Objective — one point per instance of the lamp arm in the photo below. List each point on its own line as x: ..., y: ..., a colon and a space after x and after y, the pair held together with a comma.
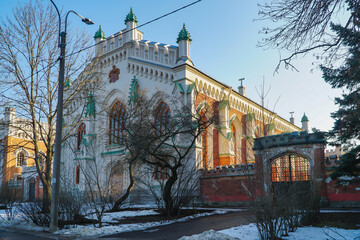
x: 71, y: 11
x: 57, y: 10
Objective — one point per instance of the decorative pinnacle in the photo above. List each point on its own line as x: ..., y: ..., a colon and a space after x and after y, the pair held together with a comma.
x: 183, y: 35
x: 131, y: 17
x: 304, y: 118
x: 99, y: 34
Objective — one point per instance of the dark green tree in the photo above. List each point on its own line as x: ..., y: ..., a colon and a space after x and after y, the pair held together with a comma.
x: 346, y: 128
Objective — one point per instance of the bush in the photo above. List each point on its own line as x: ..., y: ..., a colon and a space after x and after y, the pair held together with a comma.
x: 69, y: 211
x: 33, y: 212
x: 282, y: 211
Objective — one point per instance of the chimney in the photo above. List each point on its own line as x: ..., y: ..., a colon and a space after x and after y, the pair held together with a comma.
x: 292, y: 119
x: 241, y: 87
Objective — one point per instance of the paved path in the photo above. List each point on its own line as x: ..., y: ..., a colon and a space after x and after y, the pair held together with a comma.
x: 193, y: 226
x: 4, y: 235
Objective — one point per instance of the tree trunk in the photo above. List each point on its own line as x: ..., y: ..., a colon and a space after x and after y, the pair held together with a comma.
x: 128, y: 190
x: 169, y: 201
x: 46, y: 197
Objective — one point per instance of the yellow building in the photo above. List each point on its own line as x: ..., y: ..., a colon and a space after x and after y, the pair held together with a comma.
x: 19, y: 178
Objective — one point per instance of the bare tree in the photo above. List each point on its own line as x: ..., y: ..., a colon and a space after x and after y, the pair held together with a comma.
x: 165, y: 140
x: 29, y: 73
x: 301, y: 26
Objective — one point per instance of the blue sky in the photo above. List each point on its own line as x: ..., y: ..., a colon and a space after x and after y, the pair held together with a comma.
x: 224, y: 36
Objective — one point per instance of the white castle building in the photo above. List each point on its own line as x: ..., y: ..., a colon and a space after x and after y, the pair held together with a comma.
x: 127, y: 61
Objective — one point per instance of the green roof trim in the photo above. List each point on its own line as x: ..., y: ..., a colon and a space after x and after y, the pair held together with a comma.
x: 131, y: 17
x: 134, y: 91
x: 223, y: 104
x: 99, y: 34
x: 90, y: 109
x: 190, y: 88
x: 179, y: 86
x: 183, y: 35
x: 304, y: 118
x: 250, y: 117
x: 270, y: 126
x: 113, y: 152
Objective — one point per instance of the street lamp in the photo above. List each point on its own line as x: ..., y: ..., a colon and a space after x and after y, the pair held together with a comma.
x: 55, y: 181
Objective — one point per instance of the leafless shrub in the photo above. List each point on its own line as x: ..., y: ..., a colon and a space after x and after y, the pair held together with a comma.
x: 7, y: 201
x: 69, y: 211
x: 33, y: 212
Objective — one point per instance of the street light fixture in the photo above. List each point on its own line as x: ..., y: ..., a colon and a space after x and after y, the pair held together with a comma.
x: 55, y: 181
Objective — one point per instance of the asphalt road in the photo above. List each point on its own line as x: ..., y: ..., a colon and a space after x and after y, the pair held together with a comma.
x: 4, y: 235
x: 194, y: 226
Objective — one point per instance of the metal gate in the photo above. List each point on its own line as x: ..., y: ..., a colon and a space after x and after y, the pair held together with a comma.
x: 290, y: 175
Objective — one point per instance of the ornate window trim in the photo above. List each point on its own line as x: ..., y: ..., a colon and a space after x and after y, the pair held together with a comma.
x: 80, y: 134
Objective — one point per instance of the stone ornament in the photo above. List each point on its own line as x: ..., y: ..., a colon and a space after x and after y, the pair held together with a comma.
x: 114, y: 74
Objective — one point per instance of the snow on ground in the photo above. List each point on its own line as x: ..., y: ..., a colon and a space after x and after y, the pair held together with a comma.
x: 249, y: 232
x: 209, y: 235
x: 89, y: 230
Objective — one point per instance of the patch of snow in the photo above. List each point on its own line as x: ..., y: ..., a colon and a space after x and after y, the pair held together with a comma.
x: 209, y: 235
x: 305, y: 233
x: 328, y: 180
x: 114, y: 216
x: 340, y: 210
x: 249, y: 232
x: 243, y: 232
x: 346, y: 178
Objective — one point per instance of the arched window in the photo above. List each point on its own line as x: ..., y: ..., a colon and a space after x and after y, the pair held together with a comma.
x: 290, y: 168
x: 162, y: 118
x: 204, y: 139
x: 20, y: 158
x: 77, y: 174
x: 80, y: 134
x: 116, y: 123
x: 234, y: 143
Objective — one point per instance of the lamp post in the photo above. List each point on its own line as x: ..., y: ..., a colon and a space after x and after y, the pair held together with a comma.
x: 55, y: 181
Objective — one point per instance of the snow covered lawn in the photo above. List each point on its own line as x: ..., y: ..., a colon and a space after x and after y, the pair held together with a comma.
x: 249, y: 232
x: 109, y: 226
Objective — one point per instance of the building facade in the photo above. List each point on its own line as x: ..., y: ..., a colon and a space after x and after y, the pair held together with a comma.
x: 19, y: 178
x: 128, y: 63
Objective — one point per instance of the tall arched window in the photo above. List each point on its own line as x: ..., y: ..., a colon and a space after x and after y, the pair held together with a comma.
x: 204, y: 139
x: 233, y: 130
x: 77, y: 174
x: 162, y: 118
x: 80, y: 134
x: 116, y: 123
x: 20, y: 158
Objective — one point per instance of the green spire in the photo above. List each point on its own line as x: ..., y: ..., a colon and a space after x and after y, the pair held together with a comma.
x: 67, y: 82
x: 99, y: 34
x: 90, y: 106
x: 304, y: 118
x: 131, y: 17
x: 183, y: 35
x: 134, y: 91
